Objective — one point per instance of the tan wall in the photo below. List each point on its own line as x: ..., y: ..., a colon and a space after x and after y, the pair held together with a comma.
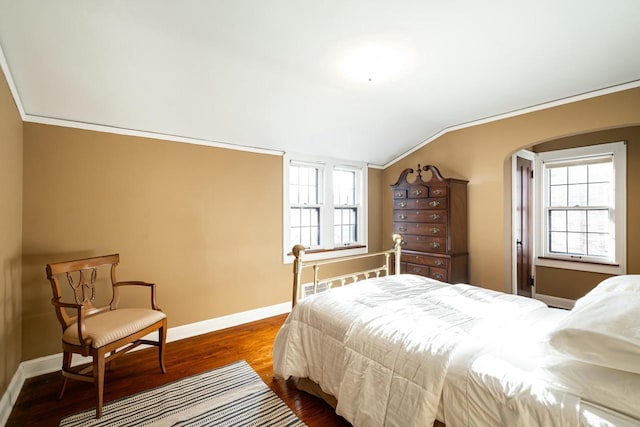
x: 204, y: 223
x: 11, y: 235
x: 481, y: 154
x: 573, y: 284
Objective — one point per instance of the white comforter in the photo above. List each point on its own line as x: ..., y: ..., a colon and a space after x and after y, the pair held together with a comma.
x: 382, y: 347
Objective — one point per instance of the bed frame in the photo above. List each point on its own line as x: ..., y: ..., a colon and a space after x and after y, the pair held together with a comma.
x: 384, y: 270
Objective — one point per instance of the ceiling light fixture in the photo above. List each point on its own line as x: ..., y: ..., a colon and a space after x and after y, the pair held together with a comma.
x: 372, y: 63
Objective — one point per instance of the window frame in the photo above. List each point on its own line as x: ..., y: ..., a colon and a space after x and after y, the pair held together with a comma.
x: 544, y: 257
x: 327, y: 248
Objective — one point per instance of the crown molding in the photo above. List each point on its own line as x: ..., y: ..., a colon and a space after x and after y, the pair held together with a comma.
x: 146, y: 134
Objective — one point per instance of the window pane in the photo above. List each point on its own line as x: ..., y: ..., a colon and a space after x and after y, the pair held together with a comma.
x: 337, y: 235
x: 304, y: 226
x: 599, y: 194
x: 558, y: 220
x: 344, y: 187
x: 294, y: 173
x: 558, y: 242
x: 295, y: 237
x: 577, y: 220
x: 294, y: 196
x: 598, y: 244
x: 557, y: 176
x: 346, y: 235
x: 598, y: 221
x: 577, y: 243
x: 577, y: 174
x: 577, y: 195
x: 313, y: 185
x: 295, y: 217
x: 558, y: 195
x: 304, y: 176
x: 600, y: 172
x: 345, y: 226
x: 304, y: 185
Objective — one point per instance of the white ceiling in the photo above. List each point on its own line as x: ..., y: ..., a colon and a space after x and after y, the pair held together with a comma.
x: 270, y: 73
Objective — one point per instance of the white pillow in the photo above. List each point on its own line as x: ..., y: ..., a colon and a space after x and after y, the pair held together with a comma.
x: 602, y: 329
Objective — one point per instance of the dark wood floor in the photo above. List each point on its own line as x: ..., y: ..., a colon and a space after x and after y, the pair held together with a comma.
x: 37, y: 404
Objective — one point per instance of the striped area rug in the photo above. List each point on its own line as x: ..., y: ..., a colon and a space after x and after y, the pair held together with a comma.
x: 233, y: 395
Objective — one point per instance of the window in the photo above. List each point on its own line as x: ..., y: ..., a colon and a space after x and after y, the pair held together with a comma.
x: 324, y: 206
x: 582, y: 200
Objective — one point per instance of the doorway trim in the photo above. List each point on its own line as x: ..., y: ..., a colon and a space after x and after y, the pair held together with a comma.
x: 529, y: 155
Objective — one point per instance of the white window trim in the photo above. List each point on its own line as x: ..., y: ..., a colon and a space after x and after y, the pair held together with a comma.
x: 327, y: 214
x: 619, y: 151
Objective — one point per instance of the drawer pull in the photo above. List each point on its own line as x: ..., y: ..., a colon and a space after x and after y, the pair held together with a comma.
x: 439, y: 263
x: 403, y: 204
x: 402, y: 229
x: 434, y: 203
x: 416, y: 270
x: 437, y: 192
x: 435, y: 217
x: 399, y: 194
x: 417, y: 192
x: 402, y: 216
x: 437, y: 276
x: 435, y: 230
x: 434, y: 245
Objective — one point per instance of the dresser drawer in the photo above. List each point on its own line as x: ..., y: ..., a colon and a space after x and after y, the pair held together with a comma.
x: 425, y: 244
x: 420, y: 215
x: 420, y: 228
x: 438, y: 274
x: 418, y: 192
x: 430, y: 203
x: 421, y: 270
x: 400, y: 193
x: 427, y: 203
x: 431, y: 261
x: 438, y: 191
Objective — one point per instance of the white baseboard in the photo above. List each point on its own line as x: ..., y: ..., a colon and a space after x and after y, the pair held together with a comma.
x: 11, y: 395
x: 52, y: 363
x: 556, y: 301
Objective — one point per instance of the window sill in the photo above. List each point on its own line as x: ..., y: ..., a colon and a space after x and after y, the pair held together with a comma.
x: 589, y: 266
x: 318, y: 254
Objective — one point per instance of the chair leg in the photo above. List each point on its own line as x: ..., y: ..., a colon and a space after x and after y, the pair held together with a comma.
x: 66, y: 364
x: 111, y: 365
x: 162, y: 339
x: 98, y: 379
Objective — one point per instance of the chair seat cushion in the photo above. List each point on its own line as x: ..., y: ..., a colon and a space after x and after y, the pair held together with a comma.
x: 107, y: 327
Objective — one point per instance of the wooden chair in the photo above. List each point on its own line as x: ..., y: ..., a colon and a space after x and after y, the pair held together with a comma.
x: 104, y: 333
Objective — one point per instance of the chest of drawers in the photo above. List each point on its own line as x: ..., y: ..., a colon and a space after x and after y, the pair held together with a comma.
x: 431, y: 216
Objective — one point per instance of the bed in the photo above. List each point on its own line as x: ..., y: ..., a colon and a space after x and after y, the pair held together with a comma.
x: 405, y: 350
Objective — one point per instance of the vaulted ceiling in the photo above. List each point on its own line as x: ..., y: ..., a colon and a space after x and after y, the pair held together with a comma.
x: 364, y: 80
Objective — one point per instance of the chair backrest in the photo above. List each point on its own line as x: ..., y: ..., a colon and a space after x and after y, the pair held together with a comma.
x: 81, y: 275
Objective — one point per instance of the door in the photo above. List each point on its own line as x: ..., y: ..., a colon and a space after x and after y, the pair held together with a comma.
x: 522, y: 226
